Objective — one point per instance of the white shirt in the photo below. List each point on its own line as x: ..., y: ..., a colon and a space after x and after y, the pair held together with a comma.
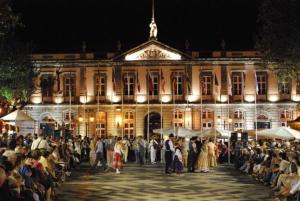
x: 39, y: 143
x: 172, y: 148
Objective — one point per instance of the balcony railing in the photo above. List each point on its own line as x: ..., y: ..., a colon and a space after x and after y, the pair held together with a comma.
x: 169, y: 98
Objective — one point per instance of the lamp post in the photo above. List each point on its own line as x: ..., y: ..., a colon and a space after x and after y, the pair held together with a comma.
x: 229, y: 133
x: 80, y: 120
x: 91, y: 120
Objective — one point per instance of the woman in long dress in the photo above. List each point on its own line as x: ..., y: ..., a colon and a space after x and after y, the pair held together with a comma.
x: 212, y: 160
x: 203, y: 158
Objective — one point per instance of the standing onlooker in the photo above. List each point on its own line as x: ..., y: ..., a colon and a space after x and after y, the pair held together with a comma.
x: 100, y: 154
x: 141, y: 150
x: 40, y: 142
x: 153, y: 146
x: 169, y: 146
x: 192, y: 155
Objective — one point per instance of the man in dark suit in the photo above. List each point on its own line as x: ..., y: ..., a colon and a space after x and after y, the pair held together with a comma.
x: 192, y: 155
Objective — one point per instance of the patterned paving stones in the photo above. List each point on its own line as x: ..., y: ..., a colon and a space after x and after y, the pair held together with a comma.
x: 149, y: 183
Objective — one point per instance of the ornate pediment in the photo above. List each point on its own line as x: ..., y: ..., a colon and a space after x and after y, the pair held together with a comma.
x: 152, y: 52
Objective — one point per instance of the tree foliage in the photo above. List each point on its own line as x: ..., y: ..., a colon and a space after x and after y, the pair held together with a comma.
x: 279, y: 37
x: 16, y: 69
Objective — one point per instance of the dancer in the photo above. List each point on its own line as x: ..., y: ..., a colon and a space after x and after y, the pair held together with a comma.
x: 202, y: 159
x: 212, y: 160
x: 178, y: 160
x: 117, y: 164
x: 169, y: 146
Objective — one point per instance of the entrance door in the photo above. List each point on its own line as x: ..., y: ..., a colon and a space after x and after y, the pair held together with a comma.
x: 154, y: 123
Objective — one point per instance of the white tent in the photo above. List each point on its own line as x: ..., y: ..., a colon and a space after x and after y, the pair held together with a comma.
x: 279, y: 132
x: 180, y: 132
x: 22, y: 120
x: 212, y: 132
x: 17, y: 115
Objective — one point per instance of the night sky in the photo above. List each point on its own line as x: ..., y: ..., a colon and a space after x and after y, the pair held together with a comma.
x: 62, y: 25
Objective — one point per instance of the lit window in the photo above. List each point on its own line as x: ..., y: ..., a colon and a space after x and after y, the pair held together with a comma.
x: 100, y: 85
x: 286, y: 116
x: 129, y: 124
x: 178, y: 119
x: 67, y: 116
x: 238, y: 114
x: 206, y: 84
x: 155, y: 81
x: 285, y: 87
x: 178, y: 84
x: 262, y: 83
x: 237, y: 82
x: 69, y: 85
x: 100, y: 124
x: 129, y: 85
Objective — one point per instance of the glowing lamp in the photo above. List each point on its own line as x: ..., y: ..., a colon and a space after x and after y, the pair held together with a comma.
x: 140, y: 98
x: 249, y: 98
x: 92, y: 119
x: 165, y: 98
x: 36, y: 99
x: 273, y: 98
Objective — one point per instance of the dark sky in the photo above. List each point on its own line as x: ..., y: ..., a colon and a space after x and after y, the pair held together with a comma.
x: 62, y: 25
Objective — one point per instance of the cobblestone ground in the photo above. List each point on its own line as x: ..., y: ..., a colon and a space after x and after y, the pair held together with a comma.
x: 149, y: 183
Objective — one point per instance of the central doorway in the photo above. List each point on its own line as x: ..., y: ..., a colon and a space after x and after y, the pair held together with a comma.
x: 154, y: 123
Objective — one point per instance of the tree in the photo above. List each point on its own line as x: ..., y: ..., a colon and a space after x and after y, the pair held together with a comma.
x: 16, y: 69
x: 279, y: 37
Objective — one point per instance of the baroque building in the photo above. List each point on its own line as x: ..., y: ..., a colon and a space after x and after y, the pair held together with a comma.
x: 156, y: 86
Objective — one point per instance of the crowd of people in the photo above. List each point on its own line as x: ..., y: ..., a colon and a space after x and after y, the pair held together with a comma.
x: 274, y: 163
x: 32, y: 167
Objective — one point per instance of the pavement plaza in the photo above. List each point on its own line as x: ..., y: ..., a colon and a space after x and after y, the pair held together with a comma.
x: 149, y: 183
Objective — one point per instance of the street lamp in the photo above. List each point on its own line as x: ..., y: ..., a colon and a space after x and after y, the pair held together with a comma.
x: 80, y: 120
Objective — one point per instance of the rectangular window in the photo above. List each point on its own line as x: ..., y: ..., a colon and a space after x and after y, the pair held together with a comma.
x: 178, y: 119
x: 67, y: 116
x: 206, y: 84
x: 207, y: 125
x: 128, y: 129
x: 129, y: 85
x: 47, y: 85
x: 262, y: 83
x: 100, y: 85
x: 237, y: 83
x: 70, y: 85
x: 298, y: 88
x: 178, y: 88
x: 155, y: 80
x: 285, y: 87
x: 100, y: 129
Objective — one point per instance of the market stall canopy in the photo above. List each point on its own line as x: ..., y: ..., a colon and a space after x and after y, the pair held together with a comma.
x: 180, y: 132
x: 212, y: 132
x: 17, y: 115
x: 280, y: 132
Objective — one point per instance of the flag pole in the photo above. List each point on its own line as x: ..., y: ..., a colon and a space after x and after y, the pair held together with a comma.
x: 148, y: 116
x: 98, y: 100
x: 256, y: 92
x: 70, y: 102
x: 122, y: 93
x: 161, y: 110
x: 173, y: 83
x: 201, y: 106
x: 228, y: 116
